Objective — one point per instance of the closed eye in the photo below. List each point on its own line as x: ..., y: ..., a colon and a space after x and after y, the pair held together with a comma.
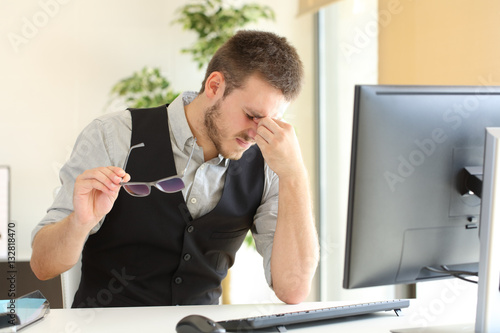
x: 251, y: 116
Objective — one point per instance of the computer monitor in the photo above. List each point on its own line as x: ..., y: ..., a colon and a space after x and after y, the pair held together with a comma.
x: 409, y: 208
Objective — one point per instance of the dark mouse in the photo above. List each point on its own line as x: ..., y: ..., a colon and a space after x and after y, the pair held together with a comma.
x: 198, y: 324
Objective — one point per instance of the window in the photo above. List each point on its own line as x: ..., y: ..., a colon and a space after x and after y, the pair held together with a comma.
x: 347, y: 55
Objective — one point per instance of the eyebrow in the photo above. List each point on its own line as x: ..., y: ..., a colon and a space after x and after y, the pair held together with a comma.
x: 253, y: 113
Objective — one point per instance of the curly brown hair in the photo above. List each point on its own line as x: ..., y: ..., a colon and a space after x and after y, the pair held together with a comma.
x: 266, y: 54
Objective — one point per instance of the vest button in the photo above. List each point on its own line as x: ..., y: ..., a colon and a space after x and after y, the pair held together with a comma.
x: 187, y: 257
x: 190, y: 228
x: 178, y: 280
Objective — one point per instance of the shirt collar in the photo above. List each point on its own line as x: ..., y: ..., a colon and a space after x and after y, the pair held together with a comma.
x: 177, y: 119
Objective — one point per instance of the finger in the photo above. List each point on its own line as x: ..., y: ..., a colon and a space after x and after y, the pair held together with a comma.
x: 267, y: 129
x: 99, y: 186
x: 264, y: 133
x: 274, y: 123
x: 260, y: 141
x: 273, y: 133
x: 279, y: 128
x: 281, y: 123
x: 84, y: 186
x: 119, y: 172
x: 262, y: 144
x: 87, y: 186
x: 105, y: 176
x: 269, y: 123
x: 126, y: 178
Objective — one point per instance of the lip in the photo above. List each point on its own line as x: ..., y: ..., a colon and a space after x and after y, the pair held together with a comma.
x: 243, y: 143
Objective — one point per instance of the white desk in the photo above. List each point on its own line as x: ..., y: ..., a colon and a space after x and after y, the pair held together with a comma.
x: 164, y: 319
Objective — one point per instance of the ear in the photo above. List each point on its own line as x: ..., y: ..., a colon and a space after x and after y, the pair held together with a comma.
x: 215, y: 85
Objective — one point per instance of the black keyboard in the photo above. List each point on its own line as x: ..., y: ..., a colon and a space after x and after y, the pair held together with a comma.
x: 306, y: 316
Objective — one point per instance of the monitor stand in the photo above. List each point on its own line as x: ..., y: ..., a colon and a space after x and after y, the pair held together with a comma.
x: 488, y: 301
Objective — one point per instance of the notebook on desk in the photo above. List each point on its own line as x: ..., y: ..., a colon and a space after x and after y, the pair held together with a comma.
x: 281, y: 320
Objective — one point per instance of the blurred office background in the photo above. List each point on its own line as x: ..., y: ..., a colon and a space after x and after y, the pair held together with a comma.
x: 60, y: 58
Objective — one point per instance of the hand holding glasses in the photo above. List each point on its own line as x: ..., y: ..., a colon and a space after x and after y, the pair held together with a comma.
x: 168, y: 185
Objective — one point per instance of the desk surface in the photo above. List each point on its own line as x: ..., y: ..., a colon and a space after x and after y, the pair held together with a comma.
x: 164, y: 319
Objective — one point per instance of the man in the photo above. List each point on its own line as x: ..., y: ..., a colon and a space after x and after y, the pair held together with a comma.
x: 156, y: 248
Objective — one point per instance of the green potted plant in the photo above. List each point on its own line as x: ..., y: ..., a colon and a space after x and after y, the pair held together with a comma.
x: 144, y: 88
x: 214, y: 21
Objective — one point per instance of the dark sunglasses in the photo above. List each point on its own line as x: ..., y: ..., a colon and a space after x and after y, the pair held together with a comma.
x: 168, y: 185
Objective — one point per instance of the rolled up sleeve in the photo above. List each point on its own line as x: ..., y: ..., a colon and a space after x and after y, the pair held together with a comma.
x: 94, y: 147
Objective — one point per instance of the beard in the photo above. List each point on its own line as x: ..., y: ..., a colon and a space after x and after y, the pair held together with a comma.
x: 216, y: 134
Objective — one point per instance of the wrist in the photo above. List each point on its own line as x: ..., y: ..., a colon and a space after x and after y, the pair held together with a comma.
x: 295, y: 176
x: 78, y: 227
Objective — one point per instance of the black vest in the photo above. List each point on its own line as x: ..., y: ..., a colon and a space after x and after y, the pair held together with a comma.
x: 150, y: 251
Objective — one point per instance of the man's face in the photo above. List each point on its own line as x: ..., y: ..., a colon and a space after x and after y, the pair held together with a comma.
x: 231, y: 123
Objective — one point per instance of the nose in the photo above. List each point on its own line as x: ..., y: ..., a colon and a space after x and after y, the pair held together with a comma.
x: 252, y: 132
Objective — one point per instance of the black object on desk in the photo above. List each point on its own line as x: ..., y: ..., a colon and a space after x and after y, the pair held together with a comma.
x: 198, y: 324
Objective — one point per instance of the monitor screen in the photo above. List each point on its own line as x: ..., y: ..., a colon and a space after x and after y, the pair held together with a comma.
x: 409, y: 209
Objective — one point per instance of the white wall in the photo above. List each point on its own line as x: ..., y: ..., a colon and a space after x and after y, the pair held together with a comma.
x: 58, y: 61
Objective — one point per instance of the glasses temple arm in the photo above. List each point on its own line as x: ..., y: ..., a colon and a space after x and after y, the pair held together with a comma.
x: 129, y: 151
x: 189, y: 159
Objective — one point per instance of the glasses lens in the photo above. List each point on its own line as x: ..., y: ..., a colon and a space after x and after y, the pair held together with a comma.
x: 170, y: 185
x: 137, y: 189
